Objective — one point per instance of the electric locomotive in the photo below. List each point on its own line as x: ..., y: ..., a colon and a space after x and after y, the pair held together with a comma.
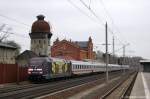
x: 48, y: 68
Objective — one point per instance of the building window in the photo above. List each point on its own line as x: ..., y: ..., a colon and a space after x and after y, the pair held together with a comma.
x: 39, y: 41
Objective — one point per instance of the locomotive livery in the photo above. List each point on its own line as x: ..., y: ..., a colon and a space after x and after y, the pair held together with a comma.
x: 48, y: 68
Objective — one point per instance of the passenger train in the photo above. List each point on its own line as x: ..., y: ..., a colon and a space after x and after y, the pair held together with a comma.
x: 48, y: 68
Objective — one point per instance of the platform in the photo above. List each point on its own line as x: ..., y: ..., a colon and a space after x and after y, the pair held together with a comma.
x: 141, y: 88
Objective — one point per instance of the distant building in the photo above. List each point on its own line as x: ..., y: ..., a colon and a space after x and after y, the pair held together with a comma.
x: 145, y: 65
x: 77, y: 50
x: 23, y: 59
x: 7, y: 53
x: 40, y: 37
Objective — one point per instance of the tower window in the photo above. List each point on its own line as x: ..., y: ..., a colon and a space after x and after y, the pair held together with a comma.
x: 39, y: 41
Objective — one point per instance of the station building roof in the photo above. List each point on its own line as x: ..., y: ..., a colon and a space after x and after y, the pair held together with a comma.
x: 4, y: 45
x: 145, y: 61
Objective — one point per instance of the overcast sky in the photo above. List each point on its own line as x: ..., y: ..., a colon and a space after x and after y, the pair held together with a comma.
x: 128, y: 19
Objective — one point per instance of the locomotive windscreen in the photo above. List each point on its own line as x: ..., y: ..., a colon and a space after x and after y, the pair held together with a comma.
x: 36, y: 61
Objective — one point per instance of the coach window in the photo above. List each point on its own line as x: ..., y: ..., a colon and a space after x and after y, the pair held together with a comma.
x: 72, y: 66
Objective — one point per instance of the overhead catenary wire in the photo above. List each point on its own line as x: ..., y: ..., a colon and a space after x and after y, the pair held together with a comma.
x: 12, y: 19
x: 17, y: 21
x: 106, y: 11
x: 104, y: 24
x: 100, y: 19
x: 84, y: 13
x: 13, y: 25
x: 89, y: 8
x: 112, y: 21
x: 17, y: 34
x: 101, y: 22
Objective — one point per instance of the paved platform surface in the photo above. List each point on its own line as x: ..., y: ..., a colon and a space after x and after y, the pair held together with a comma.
x: 141, y: 88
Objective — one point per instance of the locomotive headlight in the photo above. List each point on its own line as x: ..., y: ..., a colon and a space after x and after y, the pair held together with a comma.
x: 39, y: 69
x: 29, y: 72
x: 30, y: 69
x: 41, y: 72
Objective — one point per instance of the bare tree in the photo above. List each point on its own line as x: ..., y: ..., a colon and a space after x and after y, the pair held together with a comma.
x: 4, y: 33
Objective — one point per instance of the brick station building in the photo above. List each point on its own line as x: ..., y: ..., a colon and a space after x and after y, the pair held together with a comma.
x: 77, y: 50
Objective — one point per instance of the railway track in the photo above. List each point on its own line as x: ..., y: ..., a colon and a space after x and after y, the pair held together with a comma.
x: 122, y: 89
x: 40, y: 90
x: 30, y: 85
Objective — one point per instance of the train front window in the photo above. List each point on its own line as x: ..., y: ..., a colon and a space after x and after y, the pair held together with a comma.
x: 36, y: 62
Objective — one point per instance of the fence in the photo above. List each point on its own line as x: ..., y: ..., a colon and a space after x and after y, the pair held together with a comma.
x: 12, y: 73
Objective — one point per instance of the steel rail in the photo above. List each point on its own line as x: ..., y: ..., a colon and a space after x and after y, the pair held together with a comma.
x: 115, y: 87
x: 50, y: 88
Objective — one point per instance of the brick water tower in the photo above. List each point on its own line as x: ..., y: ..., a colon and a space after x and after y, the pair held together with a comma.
x: 40, y: 36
